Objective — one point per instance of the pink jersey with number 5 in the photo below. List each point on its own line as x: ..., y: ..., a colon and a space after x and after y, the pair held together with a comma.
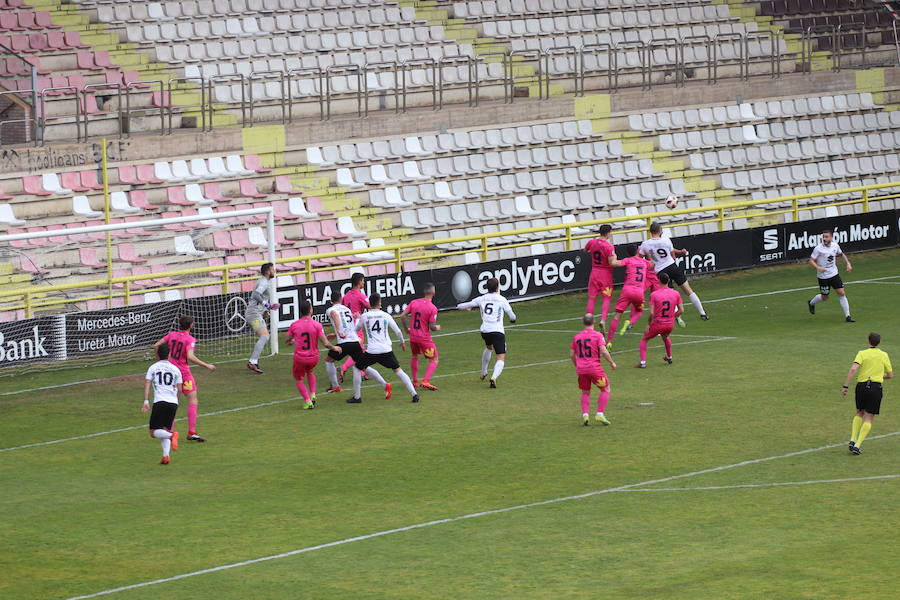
x: 305, y: 333
x: 664, y: 302
x: 635, y: 273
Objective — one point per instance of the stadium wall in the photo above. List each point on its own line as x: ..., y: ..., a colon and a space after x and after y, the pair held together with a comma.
x: 83, y: 335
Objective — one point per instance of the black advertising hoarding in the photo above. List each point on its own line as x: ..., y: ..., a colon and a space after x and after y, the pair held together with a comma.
x: 795, y: 241
x: 31, y: 341
x: 716, y: 252
x: 115, y: 330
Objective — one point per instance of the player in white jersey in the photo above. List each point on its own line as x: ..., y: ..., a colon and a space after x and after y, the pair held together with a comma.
x: 662, y: 254
x: 492, y: 306
x: 379, y: 348
x: 256, y: 307
x: 824, y: 260
x: 344, y: 325
x: 165, y: 379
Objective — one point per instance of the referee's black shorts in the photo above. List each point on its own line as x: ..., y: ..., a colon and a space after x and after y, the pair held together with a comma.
x: 675, y: 273
x: 868, y: 396
x: 162, y: 415
x: 351, y: 349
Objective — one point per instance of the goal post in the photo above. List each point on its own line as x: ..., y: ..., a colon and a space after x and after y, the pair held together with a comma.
x: 78, y: 318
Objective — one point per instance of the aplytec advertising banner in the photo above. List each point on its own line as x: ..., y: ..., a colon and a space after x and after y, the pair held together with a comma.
x: 793, y: 241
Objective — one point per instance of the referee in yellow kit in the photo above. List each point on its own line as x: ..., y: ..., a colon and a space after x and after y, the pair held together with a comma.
x: 871, y: 367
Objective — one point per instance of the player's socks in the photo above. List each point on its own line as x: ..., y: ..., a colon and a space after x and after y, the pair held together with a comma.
x: 695, y: 300
x: 332, y: 374
x: 347, y: 364
x: 375, y: 375
x: 162, y: 434
x: 667, y: 342
x: 864, y: 430
x: 357, y: 383
x: 485, y: 361
x: 414, y: 367
x: 258, y: 348
x: 845, y: 304
x: 498, y: 368
x: 614, y: 325
x: 635, y: 316
x: 407, y: 382
x: 192, y: 418
x: 311, y: 378
x: 604, y: 310
x: 816, y: 299
x: 585, y: 403
x: 429, y: 371
x: 643, y: 350
x: 591, y: 304
x: 854, y: 432
x: 304, y: 393
x: 602, y: 401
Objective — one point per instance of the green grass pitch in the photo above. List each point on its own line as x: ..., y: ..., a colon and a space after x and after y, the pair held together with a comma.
x: 760, y: 380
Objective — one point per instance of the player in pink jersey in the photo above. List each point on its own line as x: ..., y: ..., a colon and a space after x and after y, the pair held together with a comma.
x: 603, y: 260
x: 632, y: 294
x: 181, y: 354
x: 355, y: 299
x: 305, y: 334
x: 419, y: 320
x: 586, y: 349
x: 652, y: 281
x: 665, y: 306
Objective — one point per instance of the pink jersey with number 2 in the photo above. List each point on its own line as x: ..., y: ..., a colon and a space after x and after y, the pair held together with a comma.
x: 664, y: 302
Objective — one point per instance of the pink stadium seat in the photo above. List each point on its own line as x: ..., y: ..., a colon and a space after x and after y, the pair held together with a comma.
x: 161, y: 99
x: 217, y: 261
x: 329, y: 228
x: 127, y: 253
x: 89, y: 257
x: 133, y: 79
x: 280, y: 240
x: 314, y: 205
x: 43, y: 20
x: 22, y: 244
x: 251, y: 161
x: 312, y: 230
x: 137, y: 230
x: 174, y: 226
x: 29, y: 263
x: 235, y: 260
x: 85, y: 60
x: 175, y: 195
x: 128, y: 175
x: 240, y: 239
x: 90, y: 180
x: 101, y: 59
x: 349, y: 258
x: 26, y: 20
x: 73, y: 40
x: 37, y: 242
x: 162, y: 268
x: 222, y: 241
x: 145, y: 174
x: 38, y: 42
x: 10, y: 22
x: 283, y: 185
x: 72, y: 181
x: 57, y: 239
x: 90, y: 237
x: 248, y: 189
x: 138, y: 199
x: 32, y: 185
x: 211, y: 191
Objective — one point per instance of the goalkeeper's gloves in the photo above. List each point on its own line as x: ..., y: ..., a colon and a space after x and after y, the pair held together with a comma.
x: 272, y: 306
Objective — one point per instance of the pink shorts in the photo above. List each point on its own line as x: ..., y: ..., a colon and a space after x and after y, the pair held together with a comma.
x: 601, y: 282
x: 630, y: 297
x: 188, y: 383
x: 586, y: 380
x: 655, y: 329
x: 303, y: 366
x: 426, y: 349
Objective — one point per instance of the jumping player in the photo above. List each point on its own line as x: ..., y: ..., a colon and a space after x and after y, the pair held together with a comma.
x: 632, y: 294
x: 665, y: 305
x: 587, y: 348
x: 181, y: 354
x: 258, y: 303
x: 660, y: 251
x: 345, y: 333
x: 355, y: 299
x: 305, y: 334
x: 492, y: 306
x: 375, y: 322
x: 419, y: 320
x: 165, y: 379
x: 603, y: 260
x: 824, y: 260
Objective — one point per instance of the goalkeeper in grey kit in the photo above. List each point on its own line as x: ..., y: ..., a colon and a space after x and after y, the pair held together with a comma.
x: 256, y: 306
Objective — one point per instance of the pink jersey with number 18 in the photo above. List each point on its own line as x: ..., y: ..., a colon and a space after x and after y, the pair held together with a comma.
x: 179, y: 343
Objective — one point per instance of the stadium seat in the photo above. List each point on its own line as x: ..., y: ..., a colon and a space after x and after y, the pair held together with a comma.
x: 7, y: 216
x: 82, y: 207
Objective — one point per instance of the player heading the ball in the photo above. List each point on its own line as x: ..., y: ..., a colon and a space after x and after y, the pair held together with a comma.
x: 492, y: 306
x: 588, y: 346
x: 660, y: 251
x: 824, y: 260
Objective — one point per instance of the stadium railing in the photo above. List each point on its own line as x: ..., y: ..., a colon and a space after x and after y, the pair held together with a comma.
x: 40, y: 297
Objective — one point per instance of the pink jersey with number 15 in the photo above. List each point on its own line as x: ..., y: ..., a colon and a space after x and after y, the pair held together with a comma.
x: 587, y: 344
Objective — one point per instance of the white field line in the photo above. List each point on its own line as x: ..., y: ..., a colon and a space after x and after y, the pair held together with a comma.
x: 475, y: 515
x: 728, y: 299
x: 885, y: 282
x: 763, y: 485
x: 275, y: 402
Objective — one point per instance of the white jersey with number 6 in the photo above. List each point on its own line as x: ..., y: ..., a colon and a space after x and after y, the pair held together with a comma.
x: 165, y: 378
x: 345, y: 330
x: 658, y: 250
x: 376, y: 323
x: 492, y: 307
x: 826, y: 256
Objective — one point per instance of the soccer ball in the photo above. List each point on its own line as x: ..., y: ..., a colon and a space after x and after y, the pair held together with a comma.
x: 671, y: 201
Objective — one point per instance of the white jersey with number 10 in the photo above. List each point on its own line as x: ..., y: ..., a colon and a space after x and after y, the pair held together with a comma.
x: 165, y: 378
x: 492, y: 307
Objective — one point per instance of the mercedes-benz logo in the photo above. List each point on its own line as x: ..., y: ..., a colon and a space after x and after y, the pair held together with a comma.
x: 234, y: 314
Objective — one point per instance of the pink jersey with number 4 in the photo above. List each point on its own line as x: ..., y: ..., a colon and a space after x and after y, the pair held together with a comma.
x: 422, y: 313
x: 179, y: 343
x: 635, y: 273
x: 587, y: 344
x: 305, y: 332
x: 664, y: 302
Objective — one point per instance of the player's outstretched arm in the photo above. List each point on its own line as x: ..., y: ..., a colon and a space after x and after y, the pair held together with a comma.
x: 159, y: 343
x: 146, y: 406
x: 404, y: 319
x: 467, y: 305
x: 572, y: 356
x: 679, y: 252
x: 850, y: 375
x: 323, y: 339
x: 509, y: 311
x: 393, y: 327
x: 679, y: 310
x: 847, y: 263
x: 193, y: 358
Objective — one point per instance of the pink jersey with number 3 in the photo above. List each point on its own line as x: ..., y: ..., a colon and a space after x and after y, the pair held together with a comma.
x: 305, y: 332
x: 587, y: 344
x: 179, y: 343
x: 664, y: 302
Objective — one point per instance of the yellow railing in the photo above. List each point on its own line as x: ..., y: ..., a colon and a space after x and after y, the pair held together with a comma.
x: 32, y: 298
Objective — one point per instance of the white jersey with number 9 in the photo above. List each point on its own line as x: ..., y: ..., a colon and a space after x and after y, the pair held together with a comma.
x: 658, y: 250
